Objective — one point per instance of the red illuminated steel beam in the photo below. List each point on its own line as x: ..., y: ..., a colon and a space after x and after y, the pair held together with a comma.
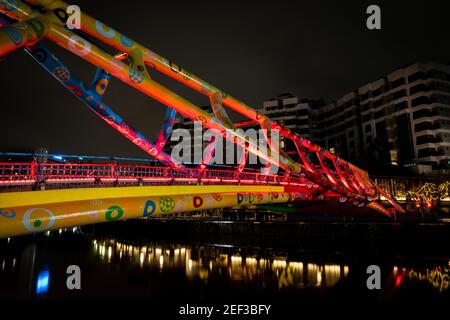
x: 136, y: 75
x: 112, y: 37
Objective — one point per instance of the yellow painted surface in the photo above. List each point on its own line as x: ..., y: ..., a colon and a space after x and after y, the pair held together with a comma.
x: 39, y: 211
x: 15, y: 199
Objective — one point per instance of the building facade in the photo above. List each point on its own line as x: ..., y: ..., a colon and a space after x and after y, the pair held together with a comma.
x: 295, y: 114
x: 402, y: 119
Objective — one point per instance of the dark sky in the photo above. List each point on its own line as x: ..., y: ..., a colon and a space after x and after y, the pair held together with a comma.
x: 254, y: 50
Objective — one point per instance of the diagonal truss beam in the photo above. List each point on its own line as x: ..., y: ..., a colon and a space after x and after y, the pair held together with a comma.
x: 340, y: 177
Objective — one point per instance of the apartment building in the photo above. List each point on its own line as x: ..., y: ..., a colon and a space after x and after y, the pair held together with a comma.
x: 402, y: 119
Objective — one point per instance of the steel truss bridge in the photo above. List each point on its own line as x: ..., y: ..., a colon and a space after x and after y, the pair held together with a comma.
x: 172, y: 187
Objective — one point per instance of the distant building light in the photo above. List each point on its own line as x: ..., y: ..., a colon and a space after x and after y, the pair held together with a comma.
x: 394, y: 157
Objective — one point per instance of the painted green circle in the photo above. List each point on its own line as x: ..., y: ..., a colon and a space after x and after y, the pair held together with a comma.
x: 109, y: 214
x: 37, y: 223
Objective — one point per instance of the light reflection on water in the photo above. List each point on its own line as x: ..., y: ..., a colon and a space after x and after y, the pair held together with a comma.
x: 36, y: 268
x: 438, y: 277
x: 204, y: 262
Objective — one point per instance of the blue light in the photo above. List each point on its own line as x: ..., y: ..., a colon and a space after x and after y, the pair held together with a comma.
x: 43, y: 281
x: 58, y: 157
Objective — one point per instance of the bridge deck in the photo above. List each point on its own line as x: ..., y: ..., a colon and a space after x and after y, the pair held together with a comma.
x: 37, y: 211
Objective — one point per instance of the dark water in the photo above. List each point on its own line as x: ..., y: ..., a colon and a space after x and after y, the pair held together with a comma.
x: 201, y: 271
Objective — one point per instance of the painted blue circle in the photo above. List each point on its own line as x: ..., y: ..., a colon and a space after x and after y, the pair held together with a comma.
x: 127, y: 42
x: 152, y: 205
x: 14, y: 35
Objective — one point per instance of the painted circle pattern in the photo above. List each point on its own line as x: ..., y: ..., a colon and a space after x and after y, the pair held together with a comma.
x: 101, y: 86
x: 40, y: 55
x: 127, y: 42
x: 9, y: 214
x: 149, y: 208
x: 109, y: 213
x: 36, y: 224
x: 61, y: 73
x: 14, y: 35
x: 166, y: 204
x: 106, y: 33
x: 79, y: 45
x: 136, y: 76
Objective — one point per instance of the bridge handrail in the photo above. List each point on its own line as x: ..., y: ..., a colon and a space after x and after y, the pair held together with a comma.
x: 33, y: 172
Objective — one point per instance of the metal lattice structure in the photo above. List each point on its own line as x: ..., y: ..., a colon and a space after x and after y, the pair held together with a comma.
x: 27, y: 23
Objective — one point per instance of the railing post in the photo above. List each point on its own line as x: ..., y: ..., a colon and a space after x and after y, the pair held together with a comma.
x: 391, y: 186
x: 113, y: 170
x: 33, y: 173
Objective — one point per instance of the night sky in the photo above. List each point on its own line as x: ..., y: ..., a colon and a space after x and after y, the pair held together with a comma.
x: 251, y: 49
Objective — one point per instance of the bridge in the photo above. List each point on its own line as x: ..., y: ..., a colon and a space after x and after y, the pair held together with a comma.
x: 82, y: 193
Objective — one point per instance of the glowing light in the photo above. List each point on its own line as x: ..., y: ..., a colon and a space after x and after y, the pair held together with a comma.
x: 236, y: 259
x: 102, y: 250
x: 18, y: 181
x: 398, y: 280
x: 186, y: 179
x: 319, y: 278
x: 141, y: 259
x: 43, y: 281
x: 296, y: 265
x: 279, y: 263
x: 345, y: 270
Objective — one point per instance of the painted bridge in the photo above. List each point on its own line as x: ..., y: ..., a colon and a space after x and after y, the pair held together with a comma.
x: 169, y: 186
